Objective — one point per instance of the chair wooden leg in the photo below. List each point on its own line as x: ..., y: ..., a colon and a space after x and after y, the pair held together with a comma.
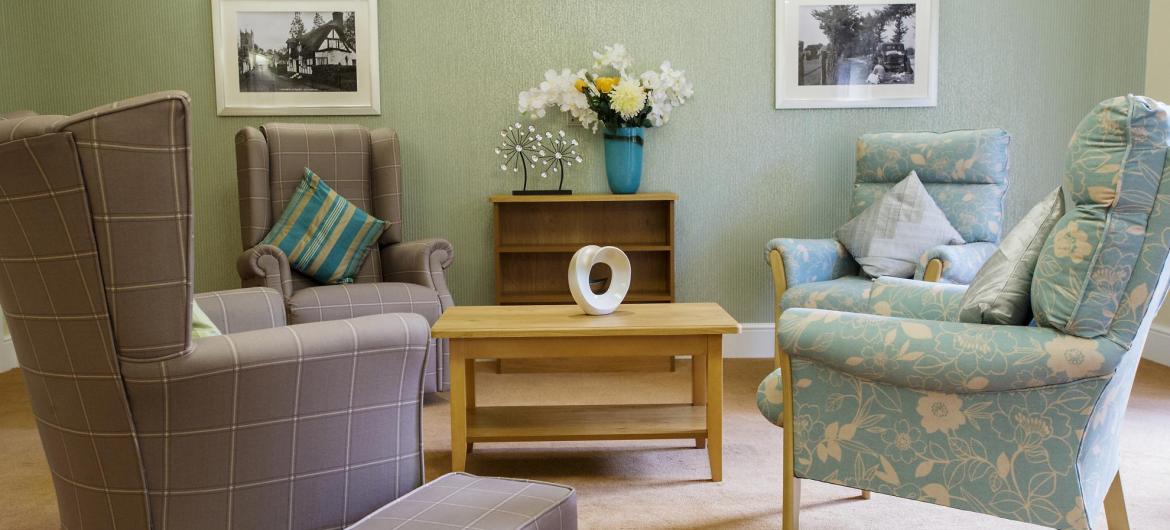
x: 791, y: 515
x: 1115, y: 513
x: 865, y: 494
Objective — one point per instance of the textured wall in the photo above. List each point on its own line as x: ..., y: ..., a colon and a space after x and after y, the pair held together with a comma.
x: 745, y: 171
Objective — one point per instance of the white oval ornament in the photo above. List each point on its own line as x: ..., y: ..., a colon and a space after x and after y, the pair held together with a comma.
x: 619, y: 283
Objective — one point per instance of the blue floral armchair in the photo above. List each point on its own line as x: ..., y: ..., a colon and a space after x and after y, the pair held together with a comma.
x: 966, y: 174
x: 1013, y: 421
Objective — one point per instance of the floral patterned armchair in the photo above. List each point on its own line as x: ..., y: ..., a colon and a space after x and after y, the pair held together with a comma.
x: 1013, y: 421
x: 966, y: 174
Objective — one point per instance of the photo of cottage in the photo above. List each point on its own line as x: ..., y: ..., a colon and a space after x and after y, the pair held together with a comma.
x: 281, y: 52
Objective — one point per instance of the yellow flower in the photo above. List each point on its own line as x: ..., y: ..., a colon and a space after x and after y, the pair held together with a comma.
x: 1072, y: 243
x: 581, y: 85
x: 605, y: 84
x: 628, y: 98
x: 941, y: 412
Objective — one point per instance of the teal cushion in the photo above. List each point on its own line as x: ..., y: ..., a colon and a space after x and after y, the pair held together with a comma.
x: 201, y: 324
x: 1114, y: 168
x: 324, y: 236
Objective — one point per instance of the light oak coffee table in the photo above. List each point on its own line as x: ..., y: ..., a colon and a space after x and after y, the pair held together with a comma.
x: 562, y: 331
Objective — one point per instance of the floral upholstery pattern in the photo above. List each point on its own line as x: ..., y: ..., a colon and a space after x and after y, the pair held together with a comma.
x: 960, y: 263
x: 899, y: 297
x: 1115, y: 164
x: 1013, y: 421
x: 849, y: 293
x: 965, y: 173
x: 813, y: 260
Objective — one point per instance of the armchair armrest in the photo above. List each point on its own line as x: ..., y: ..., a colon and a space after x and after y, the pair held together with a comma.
x: 902, y: 298
x: 240, y: 310
x: 420, y: 262
x: 345, y: 394
x: 947, y: 357
x: 797, y: 261
x: 953, y: 263
x: 265, y: 266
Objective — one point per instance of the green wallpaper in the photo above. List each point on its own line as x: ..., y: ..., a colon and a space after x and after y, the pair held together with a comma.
x: 745, y: 171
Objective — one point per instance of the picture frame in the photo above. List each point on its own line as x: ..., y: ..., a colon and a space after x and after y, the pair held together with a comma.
x: 856, y: 53
x: 296, y: 57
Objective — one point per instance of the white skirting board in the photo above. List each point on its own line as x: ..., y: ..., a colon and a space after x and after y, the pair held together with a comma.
x: 7, y: 355
x: 1158, y: 345
x: 756, y: 341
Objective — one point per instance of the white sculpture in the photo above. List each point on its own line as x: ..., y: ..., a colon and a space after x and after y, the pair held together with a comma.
x: 619, y: 283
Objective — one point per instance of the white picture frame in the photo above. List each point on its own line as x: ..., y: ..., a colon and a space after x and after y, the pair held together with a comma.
x: 261, y: 72
x: 810, y: 75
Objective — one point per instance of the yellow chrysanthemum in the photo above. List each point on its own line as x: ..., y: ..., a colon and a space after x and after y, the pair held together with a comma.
x: 605, y: 84
x: 581, y: 85
x: 628, y: 98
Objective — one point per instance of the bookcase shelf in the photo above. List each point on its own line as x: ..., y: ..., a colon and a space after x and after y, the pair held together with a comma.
x: 535, y: 237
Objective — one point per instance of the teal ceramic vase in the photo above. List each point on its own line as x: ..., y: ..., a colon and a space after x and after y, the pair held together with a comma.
x: 623, y: 158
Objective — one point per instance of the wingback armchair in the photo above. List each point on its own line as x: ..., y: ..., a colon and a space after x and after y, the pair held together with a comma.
x: 365, y: 167
x: 267, y: 426
x: 1014, y: 421
x: 965, y: 173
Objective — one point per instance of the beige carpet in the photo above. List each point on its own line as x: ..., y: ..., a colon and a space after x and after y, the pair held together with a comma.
x: 655, y: 484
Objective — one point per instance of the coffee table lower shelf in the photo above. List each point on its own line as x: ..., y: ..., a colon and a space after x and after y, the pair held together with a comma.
x: 586, y: 422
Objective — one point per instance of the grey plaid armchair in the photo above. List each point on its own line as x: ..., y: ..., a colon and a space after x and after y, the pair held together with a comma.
x: 308, y: 426
x: 365, y: 167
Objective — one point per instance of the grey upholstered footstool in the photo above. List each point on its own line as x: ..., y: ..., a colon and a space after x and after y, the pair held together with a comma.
x: 459, y: 500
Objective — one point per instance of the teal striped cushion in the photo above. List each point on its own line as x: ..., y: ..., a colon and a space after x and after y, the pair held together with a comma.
x: 324, y: 236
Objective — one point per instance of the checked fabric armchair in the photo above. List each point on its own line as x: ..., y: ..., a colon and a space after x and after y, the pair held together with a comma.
x: 267, y: 426
x: 1014, y: 421
x: 965, y: 173
x: 365, y: 167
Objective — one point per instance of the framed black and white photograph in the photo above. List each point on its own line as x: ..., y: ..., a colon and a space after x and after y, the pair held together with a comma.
x: 296, y: 57
x: 845, y: 53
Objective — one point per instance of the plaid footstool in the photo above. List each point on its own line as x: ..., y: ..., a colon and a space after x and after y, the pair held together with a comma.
x: 460, y: 500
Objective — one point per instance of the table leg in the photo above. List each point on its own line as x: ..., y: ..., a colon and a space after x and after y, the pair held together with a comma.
x: 699, y: 389
x: 459, y: 388
x: 470, y: 363
x: 715, y: 405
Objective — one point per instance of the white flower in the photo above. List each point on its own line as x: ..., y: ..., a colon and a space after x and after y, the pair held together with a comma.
x: 615, y: 57
x: 668, y: 89
x: 558, y: 89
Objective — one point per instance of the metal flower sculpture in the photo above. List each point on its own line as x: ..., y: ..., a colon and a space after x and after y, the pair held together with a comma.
x: 557, y: 152
x: 519, y: 149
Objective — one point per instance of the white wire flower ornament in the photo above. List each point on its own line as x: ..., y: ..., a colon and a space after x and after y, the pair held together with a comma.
x: 519, y: 149
x: 557, y: 152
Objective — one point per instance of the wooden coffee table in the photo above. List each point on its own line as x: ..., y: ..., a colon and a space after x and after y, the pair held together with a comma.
x: 561, y: 331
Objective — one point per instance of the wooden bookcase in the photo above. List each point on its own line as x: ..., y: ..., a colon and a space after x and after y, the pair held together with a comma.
x: 536, y: 236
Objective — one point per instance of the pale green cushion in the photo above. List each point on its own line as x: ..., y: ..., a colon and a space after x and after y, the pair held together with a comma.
x: 201, y: 324
x: 1000, y: 292
x: 888, y: 237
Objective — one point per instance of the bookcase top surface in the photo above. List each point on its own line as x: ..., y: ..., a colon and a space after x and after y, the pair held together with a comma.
x: 600, y: 197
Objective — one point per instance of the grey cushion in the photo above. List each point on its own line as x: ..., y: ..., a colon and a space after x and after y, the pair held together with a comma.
x: 460, y: 500
x: 888, y: 237
x: 999, y: 294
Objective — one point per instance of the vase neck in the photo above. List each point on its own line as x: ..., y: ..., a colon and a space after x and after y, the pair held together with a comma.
x: 625, y: 131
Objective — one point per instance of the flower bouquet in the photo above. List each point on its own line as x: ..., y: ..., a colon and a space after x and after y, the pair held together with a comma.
x: 609, y: 96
